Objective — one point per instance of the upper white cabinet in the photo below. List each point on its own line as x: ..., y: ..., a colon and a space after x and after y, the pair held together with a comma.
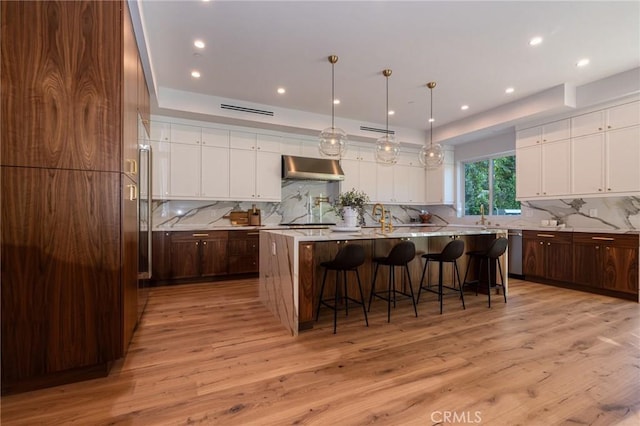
x: 607, y: 163
x: 360, y: 171
x: 254, y: 167
x: 215, y: 137
x: 186, y: 134
x: 403, y: 182
x: 528, y: 172
x: 161, y: 161
x: 440, y: 182
x: 160, y: 131
x: 544, y: 170
x: 550, y: 132
x: 618, y: 117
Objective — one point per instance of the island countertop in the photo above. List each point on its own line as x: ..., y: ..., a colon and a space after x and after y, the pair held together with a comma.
x: 289, y: 259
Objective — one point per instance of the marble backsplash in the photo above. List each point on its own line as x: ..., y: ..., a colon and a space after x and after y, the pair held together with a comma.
x: 310, y: 202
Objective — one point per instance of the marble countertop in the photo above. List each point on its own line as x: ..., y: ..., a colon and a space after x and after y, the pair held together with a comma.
x: 374, y: 233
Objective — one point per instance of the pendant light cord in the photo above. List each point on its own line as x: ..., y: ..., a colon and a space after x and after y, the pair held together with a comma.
x: 431, y: 120
x: 387, y: 111
x: 333, y: 96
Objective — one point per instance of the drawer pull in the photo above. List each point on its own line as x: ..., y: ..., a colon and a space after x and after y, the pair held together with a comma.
x: 546, y: 235
x: 253, y: 233
x: 199, y: 235
x: 603, y: 238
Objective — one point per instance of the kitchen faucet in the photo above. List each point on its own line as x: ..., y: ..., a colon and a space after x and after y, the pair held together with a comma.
x: 389, y: 226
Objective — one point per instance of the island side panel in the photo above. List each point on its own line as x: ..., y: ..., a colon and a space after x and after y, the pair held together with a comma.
x: 278, y: 278
x: 307, y: 285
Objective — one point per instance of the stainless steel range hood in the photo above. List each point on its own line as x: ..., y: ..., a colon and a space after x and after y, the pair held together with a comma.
x: 311, y: 168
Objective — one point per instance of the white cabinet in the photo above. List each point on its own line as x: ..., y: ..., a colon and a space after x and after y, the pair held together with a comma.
x: 614, y: 118
x: 403, y: 182
x: 160, y: 155
x: 160, y: 131
x: 181, y: 133
x: 214, y: 175
x: 359, y: 171
x: 184, y: 175
x: 215, y: 137
x: 607, y: 163
x: 528, y: 172
x: 440, y: 182
x: 254, y: 168
x: 587, y: 164
x: 544, y: 170
x: 549, y: 132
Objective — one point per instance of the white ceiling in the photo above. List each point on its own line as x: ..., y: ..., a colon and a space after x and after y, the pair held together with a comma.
x: 473, y: 50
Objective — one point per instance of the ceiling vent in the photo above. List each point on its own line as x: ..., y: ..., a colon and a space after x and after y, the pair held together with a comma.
x: 373, y: 129
x: 244, y: 109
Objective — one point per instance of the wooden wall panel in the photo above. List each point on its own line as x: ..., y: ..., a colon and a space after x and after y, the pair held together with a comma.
x: 61, y: 86
x: 60, y: 270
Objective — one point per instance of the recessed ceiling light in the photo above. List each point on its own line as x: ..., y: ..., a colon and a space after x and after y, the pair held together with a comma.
x: 199, y: 44
x: 391, y: 112
x: 281, y: 90
x: 195, y: 74
x: 582, y: 62
x: 509, y: 90
x: 535, y: 41
x: 336, y: 101
x: 464, y: 107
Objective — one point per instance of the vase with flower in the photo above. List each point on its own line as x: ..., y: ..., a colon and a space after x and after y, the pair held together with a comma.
x: 350, y: 207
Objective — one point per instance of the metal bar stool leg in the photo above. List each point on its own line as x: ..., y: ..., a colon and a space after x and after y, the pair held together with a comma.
x: 366, y: 320
x: 440, y: 285
x: 346, y: 293
x: 324, y: 279
x: 489, y: 281
x: 455, y: 266
x: 389, y: 295
x: 373, y: 286
x: 504, y: 289
x: 335, y: 302
x: 424, y: 270
x: 413, y: 299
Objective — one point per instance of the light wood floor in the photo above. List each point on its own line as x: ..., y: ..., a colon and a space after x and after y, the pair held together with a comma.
x: 212, y: 354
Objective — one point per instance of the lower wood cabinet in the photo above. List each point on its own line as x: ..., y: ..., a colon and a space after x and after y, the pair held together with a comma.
x: 607, y: 261
x: 198, y: 254
x: 244, y: 252
x: 548, y: 255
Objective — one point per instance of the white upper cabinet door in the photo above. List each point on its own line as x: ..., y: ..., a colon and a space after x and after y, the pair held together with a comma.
x: 310, y: 149
x: 290, y: 146
x: 215, y: 137
x: 587, y: 124
x: 160, y: 155
x: 352, y: 152
x: 402, y: 183
x: 181, y: 133
x: 587, y: 164
x: 385, y: 183
x: 556, y: 165
x: 351, y: 169
x: 269, y: 143
x: 242, y: 140
x: 160, y: 131
x: 623, y: 116
x: 215, y: 172
x: 417, y: 187
x: 268, y: 176
x: 368, y: 179
x: 528, y: 137
x: 185, y: 170
x: 528, y: 172
x: 242, y: 174
x: 623, y: 160
x: 558, y: 130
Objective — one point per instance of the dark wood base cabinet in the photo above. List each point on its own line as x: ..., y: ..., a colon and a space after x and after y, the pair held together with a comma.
x: 244, y: 252
x: 596, y: 262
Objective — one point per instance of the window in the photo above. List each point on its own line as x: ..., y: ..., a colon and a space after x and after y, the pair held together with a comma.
x: 491, y: 183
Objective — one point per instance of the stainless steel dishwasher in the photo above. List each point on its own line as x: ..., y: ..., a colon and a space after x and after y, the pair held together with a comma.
x: 515, y: 252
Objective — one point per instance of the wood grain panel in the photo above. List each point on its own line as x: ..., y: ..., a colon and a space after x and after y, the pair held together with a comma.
x: 185, y: 258
x: 60, y: 270
x: 161, y: 253
x: 129, y: 97
x: 307, y: 285
x: 61, y: 84
x: 620, y: 269
x: 129, y: 280
x: 213, y: 252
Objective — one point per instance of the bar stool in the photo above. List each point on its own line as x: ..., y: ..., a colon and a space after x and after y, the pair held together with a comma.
x: 400, y: 255
x: 449, y: 254
x: 348, y: 258
x: 492, y: 253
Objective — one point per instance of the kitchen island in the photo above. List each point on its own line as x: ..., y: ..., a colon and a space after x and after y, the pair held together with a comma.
x: 290, y: 272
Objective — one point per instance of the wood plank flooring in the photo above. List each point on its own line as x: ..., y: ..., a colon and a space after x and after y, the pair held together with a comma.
x: 212, y: 354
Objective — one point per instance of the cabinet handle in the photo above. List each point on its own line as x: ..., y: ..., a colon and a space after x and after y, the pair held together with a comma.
x: 133, y: 166
x: 608, y: 127
x: 600, y: 189
x: 548, y: 244
x: 599, y: 128
x: 197, y: 243
x: 253, y: 233
x: 603, y: 238
x: 597, y: 247
x: 199, y: 235
x: 133, y: 192
x: 608, y: 189
x: 546, y: 235
x: 204, y: 243
x: 541, y: 242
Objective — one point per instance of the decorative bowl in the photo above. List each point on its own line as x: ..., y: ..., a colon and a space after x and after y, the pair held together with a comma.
x: 425, y: 218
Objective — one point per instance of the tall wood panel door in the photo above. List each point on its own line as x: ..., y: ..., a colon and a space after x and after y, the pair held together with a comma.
x: 60, y: 271
x: 61, y: 84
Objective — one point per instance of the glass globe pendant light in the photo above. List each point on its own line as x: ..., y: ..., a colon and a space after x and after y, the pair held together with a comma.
x: 386, y: 147
x: 431, y: 156
x: 333, y: 140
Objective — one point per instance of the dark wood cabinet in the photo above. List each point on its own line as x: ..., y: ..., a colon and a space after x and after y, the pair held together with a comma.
x: 606, y: 261
x: 69, y: 81
x: 244, y: 252
x: 548, y: 255
x: 198, y: 254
